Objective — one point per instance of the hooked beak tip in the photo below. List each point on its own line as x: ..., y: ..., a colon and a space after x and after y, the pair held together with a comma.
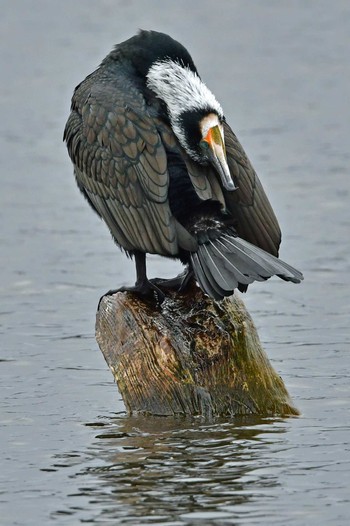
x: 229, y: 185
x: 220, y: 163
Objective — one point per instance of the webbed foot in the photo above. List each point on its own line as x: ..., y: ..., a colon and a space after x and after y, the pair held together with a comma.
x: 178, y: 284
x: 146, y: 289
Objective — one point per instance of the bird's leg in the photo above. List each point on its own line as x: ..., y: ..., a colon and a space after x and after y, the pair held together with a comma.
x: 142, y: 286
x: 179, y: 283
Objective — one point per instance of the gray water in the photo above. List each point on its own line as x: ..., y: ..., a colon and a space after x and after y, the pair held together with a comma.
x: 69, y: 453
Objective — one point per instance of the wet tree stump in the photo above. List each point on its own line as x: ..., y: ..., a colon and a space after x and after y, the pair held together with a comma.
x: 189, y: 356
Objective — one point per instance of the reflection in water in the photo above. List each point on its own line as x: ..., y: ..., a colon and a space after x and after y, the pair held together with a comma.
x: 175, y: 471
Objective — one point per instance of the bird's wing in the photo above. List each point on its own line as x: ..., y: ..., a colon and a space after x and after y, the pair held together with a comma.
x: 199, y: 175
x: 256, y: 221
x: 121, y: 166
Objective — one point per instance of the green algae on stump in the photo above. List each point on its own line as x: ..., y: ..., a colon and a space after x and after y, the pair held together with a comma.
x: 189, y: 356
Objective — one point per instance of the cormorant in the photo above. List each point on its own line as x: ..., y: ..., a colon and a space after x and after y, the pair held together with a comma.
x: 156, y: 159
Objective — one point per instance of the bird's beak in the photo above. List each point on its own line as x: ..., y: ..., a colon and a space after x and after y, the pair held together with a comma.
x: 216, y: 153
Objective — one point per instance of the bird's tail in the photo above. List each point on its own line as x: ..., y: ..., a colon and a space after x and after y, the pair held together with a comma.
x: 227, y: 262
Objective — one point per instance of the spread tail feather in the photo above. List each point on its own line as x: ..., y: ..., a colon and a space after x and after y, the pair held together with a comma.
x: 229, y: 262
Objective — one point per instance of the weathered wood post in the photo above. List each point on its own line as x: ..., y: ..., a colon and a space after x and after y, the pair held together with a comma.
x: 189, y: 356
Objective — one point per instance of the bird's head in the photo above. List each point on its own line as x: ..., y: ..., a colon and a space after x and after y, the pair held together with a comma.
x: 195, y: 115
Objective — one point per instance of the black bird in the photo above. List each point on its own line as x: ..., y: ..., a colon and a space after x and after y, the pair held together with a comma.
x: 156, y: 159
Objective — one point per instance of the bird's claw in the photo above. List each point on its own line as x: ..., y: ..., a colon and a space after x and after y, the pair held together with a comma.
x: 147, y: 290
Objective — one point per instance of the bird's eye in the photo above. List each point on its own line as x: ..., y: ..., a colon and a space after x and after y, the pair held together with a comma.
x: 204, y: 145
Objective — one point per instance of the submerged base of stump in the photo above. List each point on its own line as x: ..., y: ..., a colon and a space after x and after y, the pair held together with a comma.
x: 189, y: 356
